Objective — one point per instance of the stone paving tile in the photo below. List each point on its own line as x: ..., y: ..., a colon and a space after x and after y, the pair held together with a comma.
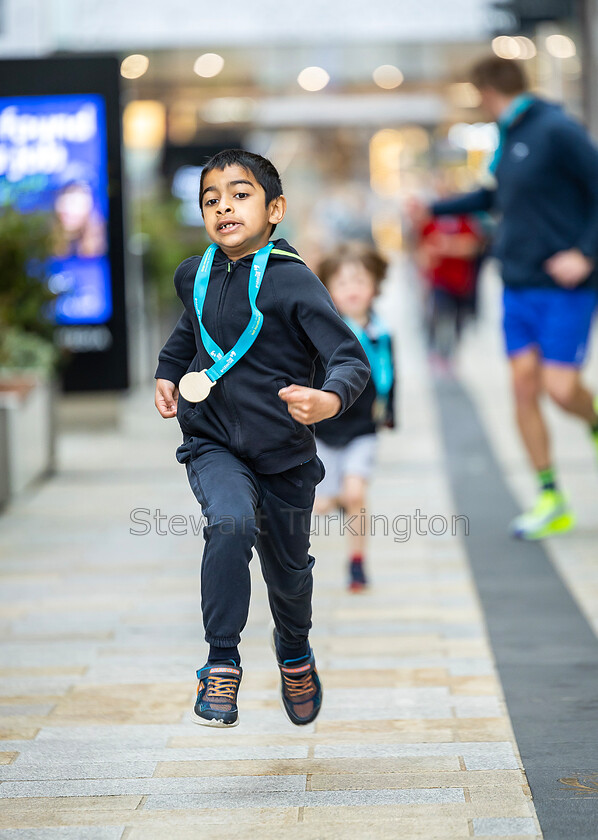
x: 309, y: 766
x: 472, y: 707
x: 105, y: 734
x: 56, y: 686
x: 500, y: 799
x: 207, y: 786
x: 397, y: 628
x: 15, y: 733
x: 425, y: 731
x: 40, y: 806
x: 37, y: 770
x: 387, y: 678
x: 126, y: 704
x: 438, y: 817
x: 41, y: 672
x: 313, y: 799
x: 474, y: 685
x: 56, y: 654
x: 507, y: 779
x: 477, y: 756
x: 59, y: 754
x: 25, y: 709
x: 55, y: 814
x: 22, y: 720
x: 325, y: 831
x: 503, y: 826
x: 95, y: 832
x: 457, y: 666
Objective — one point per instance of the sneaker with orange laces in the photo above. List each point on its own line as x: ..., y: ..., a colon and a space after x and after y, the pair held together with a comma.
x: 216, y: 703
x: 300, y: 687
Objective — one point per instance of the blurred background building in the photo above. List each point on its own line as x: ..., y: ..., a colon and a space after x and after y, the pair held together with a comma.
x: 354, y: 108
x: 358, y: 108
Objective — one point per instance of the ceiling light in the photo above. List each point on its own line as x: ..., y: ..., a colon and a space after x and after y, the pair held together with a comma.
x: 134, y: 66
x: 527, y: 48
x: 313, y: 78
x: 388, y: 76
x: 506, y: 47
x: 560, y: 46
x: 208, y: 65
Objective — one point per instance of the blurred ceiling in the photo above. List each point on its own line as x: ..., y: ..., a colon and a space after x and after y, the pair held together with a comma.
x: 33, y: 26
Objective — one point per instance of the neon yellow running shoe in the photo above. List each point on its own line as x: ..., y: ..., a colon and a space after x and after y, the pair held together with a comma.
x: 550, y: 515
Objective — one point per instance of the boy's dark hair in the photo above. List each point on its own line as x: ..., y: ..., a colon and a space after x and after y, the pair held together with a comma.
x: 502, y: 74
x: 263, y: 170
x: 353, y: 252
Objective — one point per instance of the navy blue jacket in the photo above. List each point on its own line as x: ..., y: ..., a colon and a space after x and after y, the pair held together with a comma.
x: 547, y: 193
x: 359, y: 419
x: 243, y: 411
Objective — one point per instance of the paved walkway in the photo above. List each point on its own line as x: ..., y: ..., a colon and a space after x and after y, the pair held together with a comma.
x: 101, y: 638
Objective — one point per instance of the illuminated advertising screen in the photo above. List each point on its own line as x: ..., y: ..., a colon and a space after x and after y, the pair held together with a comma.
x: 53, y: 159
x: 60, y: 155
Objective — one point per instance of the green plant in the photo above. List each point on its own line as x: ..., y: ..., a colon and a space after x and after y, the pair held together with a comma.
x: 26, y: 331
x: 24, y: 294
x: 26, y: 351
x: 165, y: 242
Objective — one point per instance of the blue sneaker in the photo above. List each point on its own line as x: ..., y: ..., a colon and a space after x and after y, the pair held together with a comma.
x: 300, y: 687
x: 216, y: 703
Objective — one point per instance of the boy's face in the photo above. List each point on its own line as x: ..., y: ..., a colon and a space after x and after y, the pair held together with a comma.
x: 235, y: 212
x: 353, y: 289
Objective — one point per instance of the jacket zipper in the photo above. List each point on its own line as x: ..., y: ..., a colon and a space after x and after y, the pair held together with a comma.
x: 230, y: 407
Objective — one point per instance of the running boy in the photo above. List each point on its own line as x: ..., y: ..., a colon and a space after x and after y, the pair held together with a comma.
x: 255, y: 319
x: 347, y: 445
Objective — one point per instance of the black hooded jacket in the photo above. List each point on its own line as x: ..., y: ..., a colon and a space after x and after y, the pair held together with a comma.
x: 243, y: 411
x: 360, y: 418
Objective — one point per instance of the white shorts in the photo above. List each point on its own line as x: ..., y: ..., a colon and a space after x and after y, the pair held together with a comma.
x: 356, y: 458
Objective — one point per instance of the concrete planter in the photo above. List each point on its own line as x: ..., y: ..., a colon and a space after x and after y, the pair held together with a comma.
x: 26, y: 432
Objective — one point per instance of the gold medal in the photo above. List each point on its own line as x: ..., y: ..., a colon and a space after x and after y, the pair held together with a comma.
x: 195, y: 386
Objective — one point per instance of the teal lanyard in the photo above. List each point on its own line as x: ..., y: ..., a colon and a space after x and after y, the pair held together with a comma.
x: 224, y: 361
x: 379, y: 354
x: 515, y: 110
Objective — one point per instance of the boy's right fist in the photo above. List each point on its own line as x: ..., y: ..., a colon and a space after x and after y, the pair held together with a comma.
x: 167, y: 395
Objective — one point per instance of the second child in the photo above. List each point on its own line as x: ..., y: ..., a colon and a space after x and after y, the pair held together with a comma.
x: 347, y: 445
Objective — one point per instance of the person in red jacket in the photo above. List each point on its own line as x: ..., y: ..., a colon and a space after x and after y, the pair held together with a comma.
x: 447, y: 252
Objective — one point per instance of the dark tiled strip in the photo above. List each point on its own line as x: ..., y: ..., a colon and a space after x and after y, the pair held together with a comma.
x: 546, y: 652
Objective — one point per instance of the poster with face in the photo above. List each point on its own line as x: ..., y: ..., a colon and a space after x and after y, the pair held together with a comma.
x: 53, y: 159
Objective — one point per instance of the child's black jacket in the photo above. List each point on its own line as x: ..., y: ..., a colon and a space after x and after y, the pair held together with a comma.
x: 243, y: 410
x: 359, y: 419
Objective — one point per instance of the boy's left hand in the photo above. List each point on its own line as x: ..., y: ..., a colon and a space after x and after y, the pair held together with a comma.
x: 310, y: 405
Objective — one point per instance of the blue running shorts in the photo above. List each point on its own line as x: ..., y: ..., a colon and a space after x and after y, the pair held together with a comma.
x: 556, y: 321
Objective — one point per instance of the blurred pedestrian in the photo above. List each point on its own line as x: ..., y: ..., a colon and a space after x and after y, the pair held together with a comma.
x: 447, y: 253
x: 544, y: 181
x: 352, y: 273
x: 246, y: 412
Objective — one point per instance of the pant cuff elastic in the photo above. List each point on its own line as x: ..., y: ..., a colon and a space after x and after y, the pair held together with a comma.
x: 223, y: 641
